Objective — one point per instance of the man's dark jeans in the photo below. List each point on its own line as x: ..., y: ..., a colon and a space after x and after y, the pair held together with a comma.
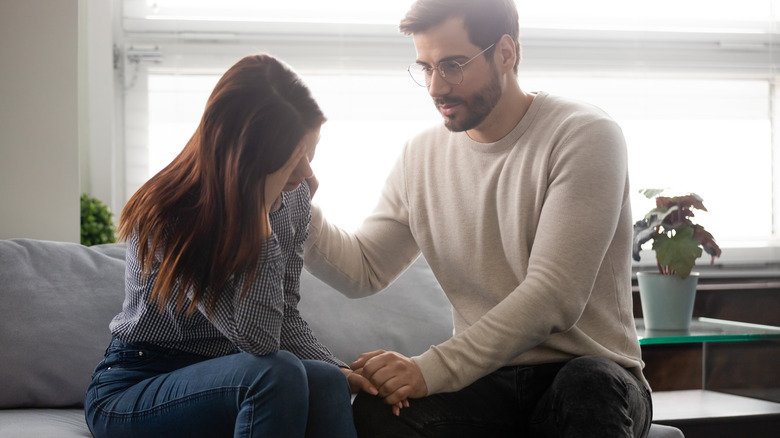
x: 586, y: 397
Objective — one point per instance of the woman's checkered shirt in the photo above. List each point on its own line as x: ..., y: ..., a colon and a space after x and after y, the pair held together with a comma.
x: 265, y: 320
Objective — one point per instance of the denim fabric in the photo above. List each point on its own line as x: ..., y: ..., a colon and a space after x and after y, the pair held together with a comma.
x: 145, y: 391
x: 586, y: 397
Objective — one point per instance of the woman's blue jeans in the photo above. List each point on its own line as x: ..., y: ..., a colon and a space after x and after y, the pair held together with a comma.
x: 147, y: 391
x: 588, y: 396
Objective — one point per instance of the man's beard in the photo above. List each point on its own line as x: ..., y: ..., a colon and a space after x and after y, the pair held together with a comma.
x: 478, y: 106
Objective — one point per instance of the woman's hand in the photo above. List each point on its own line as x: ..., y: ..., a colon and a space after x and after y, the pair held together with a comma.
x: 359, y: 383
x: 395, y: 376
x: 275, y: 182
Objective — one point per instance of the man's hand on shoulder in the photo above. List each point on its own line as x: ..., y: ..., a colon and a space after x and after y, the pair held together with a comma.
x: 396, y: 377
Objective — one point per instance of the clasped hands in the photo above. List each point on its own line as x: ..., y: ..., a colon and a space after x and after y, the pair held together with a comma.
x: 390, y: 375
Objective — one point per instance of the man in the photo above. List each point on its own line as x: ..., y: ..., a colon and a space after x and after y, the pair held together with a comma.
x: 520, y: 204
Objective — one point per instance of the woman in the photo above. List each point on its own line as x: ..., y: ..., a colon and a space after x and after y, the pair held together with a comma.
x: 209, y: 342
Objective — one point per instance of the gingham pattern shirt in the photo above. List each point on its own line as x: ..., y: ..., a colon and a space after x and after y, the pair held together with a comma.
x: 264, y: 321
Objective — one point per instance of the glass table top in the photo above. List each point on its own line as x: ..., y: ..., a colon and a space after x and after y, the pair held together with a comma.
x: 707, y: 330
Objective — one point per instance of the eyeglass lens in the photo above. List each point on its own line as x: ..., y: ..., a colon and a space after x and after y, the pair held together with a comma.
x: 450, y: 71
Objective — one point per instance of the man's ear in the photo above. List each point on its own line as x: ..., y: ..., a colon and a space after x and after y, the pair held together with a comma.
x: 508, y: 53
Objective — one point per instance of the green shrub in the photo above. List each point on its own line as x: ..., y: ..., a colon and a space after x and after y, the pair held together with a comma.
x: 96, y: 224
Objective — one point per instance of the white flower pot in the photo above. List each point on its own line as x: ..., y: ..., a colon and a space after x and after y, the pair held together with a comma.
x: 667, y: 300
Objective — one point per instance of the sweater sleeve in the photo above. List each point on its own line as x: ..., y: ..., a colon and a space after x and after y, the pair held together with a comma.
x: 379, y: 251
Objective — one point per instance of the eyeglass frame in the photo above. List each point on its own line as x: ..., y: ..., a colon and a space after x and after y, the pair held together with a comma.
x: 437, y: 67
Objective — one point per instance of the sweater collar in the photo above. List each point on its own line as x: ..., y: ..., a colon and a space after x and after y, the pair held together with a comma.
x: 513, y: 136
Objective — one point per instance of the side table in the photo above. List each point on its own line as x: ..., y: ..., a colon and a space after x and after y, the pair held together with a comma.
x: 717, y: 409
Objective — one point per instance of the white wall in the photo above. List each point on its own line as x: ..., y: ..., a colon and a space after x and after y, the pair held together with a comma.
x: 100, y: 170
x: 39, y: 135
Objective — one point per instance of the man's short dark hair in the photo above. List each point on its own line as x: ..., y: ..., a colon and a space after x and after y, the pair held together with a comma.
x: 486, y: 21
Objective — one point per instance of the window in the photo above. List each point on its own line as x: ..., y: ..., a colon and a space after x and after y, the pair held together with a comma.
x: 359, y: 143
x: 694, y: 91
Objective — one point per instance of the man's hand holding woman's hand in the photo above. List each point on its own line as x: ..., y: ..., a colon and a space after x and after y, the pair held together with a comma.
x: 359, y: 383
x: 392, y: 376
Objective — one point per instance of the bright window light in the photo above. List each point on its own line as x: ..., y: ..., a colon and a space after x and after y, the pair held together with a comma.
x: 709, y: 137
x: 696, y: 119
x: 688, y: 15
x: 294, y: 11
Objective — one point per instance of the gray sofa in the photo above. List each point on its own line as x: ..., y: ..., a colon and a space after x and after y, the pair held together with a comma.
x: 56, y: 300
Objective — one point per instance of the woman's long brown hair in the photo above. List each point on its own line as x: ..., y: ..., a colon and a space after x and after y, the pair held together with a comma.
x: 203, y: 217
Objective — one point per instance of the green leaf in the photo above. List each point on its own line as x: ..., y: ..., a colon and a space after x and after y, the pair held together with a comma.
x: 96, y: 224
x: 679, y: 252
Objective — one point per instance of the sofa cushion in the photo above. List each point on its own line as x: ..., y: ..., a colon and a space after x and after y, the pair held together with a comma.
x: 56, y: 300
x: 38, y: 423
x: 408, y: 317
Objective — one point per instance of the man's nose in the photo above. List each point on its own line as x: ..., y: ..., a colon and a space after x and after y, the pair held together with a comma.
x: 438, y: 86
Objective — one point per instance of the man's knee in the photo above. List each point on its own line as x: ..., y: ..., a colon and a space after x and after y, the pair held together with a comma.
x: 371, y: 409
x: 589, y: 373
x: 374, y: 418
x: 595, y: 396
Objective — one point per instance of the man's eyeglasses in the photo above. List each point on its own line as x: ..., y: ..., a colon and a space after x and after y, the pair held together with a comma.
x: 450, y: 71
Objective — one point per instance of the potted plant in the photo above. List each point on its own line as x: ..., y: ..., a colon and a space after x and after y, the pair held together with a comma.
x: 667, y: 295
x: 96, y: 224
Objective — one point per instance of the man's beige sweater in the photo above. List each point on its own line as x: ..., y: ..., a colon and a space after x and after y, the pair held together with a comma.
x: 530, y: 238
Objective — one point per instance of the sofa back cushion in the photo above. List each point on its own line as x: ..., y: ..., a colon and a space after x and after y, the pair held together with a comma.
x: 56, y: 300
x: 408, y: 317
